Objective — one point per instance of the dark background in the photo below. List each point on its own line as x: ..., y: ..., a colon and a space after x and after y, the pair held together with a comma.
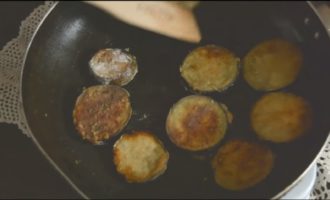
x: 24, y: 172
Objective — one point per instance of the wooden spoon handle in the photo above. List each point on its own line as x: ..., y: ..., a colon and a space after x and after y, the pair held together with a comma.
x: 162, y: 17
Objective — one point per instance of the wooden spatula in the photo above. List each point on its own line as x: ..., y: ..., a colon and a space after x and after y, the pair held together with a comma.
x: 172, y: 19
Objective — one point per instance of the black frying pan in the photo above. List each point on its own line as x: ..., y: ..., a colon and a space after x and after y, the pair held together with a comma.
x: 56, y: 70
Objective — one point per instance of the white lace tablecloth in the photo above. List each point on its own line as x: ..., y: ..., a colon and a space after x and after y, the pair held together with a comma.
x: 11, y: 59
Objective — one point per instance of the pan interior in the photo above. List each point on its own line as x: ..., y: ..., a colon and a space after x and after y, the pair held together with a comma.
x: 56, y: 71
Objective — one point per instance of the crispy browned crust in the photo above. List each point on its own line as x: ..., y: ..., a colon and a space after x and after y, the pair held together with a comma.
x: 240, y: 164
x: 140, y: 157
x: 210, y: 68
x: 281, y: 117
x: 101, y: 112
x: 196, y: 123
x: 272, y: 64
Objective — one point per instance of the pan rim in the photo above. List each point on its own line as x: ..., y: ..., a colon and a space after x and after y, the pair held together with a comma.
x: 71, y: 183
x: 36, y: 142
x: 298, y: 179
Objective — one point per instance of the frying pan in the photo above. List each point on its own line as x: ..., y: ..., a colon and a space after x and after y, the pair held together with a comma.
x: 56, y: 71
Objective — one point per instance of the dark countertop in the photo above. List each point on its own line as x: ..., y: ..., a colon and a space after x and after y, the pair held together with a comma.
x: 24, y: 172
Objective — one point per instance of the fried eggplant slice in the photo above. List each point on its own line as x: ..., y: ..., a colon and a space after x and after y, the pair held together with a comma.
x: 241, y: 164
x: 101, y: 112
x: 140, y: 157
x: 210, y: 68
x: 114, y: 66
x: 281, y: 117
x: 272, y: 65
x: 197, y: 122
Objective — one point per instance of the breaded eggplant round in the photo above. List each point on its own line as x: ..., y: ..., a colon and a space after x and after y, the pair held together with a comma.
x: 114, y: 66
x: 101, y: 112
x: 281, y: 117
x: 210, y: 68
x: 272, y: 65
x: 241, y: 164
x: 140, y: 157
x: 196, y: 123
